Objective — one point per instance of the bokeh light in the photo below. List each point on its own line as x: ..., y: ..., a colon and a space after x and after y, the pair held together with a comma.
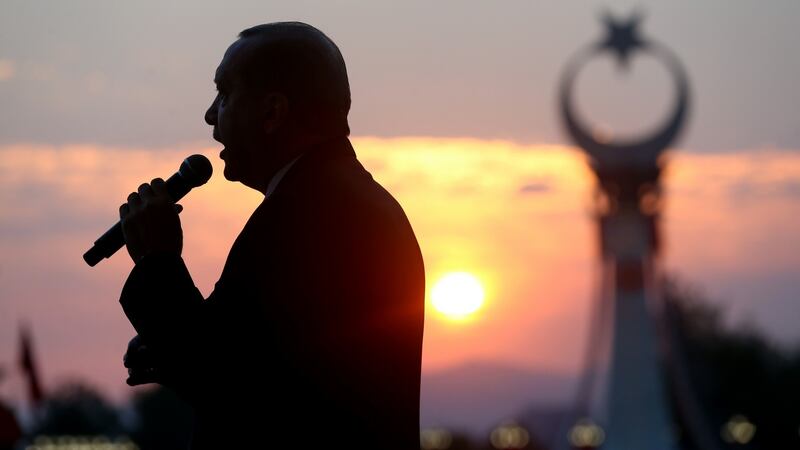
x: 509, y: 436
x: 586, y: 434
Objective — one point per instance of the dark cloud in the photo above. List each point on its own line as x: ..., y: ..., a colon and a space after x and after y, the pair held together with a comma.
x: 748, y: 189
x: 535, y: 187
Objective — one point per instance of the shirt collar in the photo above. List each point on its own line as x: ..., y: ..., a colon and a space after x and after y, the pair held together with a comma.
x: 273, y: 183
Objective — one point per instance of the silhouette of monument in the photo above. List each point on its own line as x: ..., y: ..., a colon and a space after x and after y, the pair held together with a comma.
x: 623, y: 399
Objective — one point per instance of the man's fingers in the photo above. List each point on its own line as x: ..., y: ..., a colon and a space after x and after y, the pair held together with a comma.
x: 138, y: 359
x: 142, y: 376
x: 124, y: 210
x: 146, y: 192
x: 151, y: 222
x: 134, y: 200
x: 137, y: 354
x: 160, y: 187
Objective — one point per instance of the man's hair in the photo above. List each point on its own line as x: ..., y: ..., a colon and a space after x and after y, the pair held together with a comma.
x: 305, y: 65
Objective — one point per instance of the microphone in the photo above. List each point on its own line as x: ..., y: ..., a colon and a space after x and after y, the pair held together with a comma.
x: 194, y: 171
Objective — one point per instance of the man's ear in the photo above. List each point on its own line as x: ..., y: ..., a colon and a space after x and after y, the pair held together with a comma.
x: 276, y: 107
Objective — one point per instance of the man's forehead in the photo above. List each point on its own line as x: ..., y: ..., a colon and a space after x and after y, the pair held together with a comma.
x: 229, y: 63
x: 219, y: 74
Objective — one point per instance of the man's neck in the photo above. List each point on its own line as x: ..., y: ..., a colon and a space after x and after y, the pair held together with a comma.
x: 291, y: 152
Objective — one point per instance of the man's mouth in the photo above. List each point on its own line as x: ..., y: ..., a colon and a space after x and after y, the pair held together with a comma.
x: 216, y: 138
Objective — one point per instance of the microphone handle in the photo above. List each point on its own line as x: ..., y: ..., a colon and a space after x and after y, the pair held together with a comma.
x: 113, y: 239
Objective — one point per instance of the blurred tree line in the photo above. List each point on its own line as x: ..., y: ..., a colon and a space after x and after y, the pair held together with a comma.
x: 156, y: 420
x: 735, y: 373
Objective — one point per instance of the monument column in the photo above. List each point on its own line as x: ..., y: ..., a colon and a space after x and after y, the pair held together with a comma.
x: 623, y: 401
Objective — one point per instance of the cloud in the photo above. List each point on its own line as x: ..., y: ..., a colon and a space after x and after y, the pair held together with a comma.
x: 516, y: 216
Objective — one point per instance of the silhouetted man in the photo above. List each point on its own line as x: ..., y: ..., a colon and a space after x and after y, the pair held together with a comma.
x: 312, y: 337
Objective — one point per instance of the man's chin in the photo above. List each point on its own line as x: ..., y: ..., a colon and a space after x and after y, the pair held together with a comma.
x: 229, y: 173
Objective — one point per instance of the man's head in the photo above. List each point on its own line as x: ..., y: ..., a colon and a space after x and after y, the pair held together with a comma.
x: 282, y: 87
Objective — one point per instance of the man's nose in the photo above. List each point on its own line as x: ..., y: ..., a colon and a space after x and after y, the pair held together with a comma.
x: 211, y: 113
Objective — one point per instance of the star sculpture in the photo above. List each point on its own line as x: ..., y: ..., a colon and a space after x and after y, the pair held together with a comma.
x: 622, y: 37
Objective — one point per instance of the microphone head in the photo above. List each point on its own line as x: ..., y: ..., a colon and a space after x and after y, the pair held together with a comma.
x: 196, y: 170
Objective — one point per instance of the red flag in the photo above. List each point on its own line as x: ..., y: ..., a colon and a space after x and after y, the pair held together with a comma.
x: 28, y: 366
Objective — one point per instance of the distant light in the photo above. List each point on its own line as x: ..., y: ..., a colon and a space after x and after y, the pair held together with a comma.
x: 67, y: 442
x: 586, y: 433
x: 42, y: 440
x: 738, y: 430
x: 509, y: 436
x: 435, y: 439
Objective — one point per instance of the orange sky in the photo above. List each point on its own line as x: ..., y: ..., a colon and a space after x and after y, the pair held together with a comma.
x: 515, y: 216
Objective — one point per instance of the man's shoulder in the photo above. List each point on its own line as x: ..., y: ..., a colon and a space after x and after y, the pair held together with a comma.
x: 330, y: 204
x: 335, y: 185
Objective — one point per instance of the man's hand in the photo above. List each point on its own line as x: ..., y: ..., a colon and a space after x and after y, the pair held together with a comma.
x: 150, y: 221
x: 139, y: 361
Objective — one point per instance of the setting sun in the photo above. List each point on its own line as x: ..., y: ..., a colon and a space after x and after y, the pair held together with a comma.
x: 457, y: 295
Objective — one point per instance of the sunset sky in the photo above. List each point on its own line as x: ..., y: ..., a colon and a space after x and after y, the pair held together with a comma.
x: 454, y: 112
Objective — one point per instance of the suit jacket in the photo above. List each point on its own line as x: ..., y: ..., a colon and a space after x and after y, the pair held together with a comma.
x: 312, y: 336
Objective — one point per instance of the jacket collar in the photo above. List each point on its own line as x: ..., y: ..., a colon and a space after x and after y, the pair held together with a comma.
x: 314, y: 158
